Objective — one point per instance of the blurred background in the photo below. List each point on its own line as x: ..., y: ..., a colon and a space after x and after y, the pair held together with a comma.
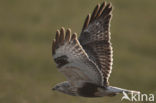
x: 27, y: 27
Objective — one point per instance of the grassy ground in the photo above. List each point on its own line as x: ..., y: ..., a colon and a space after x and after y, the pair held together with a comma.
x: 27, y: 71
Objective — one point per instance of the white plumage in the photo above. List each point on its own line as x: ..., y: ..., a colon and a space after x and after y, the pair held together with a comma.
x: 87, y: 61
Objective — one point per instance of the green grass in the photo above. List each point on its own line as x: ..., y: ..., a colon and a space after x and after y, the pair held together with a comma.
x: 27, y: 27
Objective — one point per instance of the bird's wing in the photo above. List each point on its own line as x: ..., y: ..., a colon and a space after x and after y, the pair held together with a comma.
x: 72, y: 60
x: 95, y: 38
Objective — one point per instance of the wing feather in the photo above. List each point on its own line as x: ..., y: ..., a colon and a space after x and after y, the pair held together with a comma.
x: 95, y: 38
x: 72, y: 60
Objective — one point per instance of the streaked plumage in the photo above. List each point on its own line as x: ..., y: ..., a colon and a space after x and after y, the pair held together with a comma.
x: 86, y: 61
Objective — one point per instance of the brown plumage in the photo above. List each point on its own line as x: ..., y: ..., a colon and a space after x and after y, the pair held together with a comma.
x: 68, y: 35
x: 87, y: 20
x: 87, y: 61
x: 62, y: 35
x: 100, y: 9
x: 97, y: 45
x: 94, y: 14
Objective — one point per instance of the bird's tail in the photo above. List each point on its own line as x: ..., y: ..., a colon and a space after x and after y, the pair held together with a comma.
x: 120, y: 90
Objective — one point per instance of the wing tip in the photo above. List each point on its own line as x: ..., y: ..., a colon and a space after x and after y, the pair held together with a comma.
x: 74, y: 36
x: 87, y: 20
x: 57, y: 35
x: 104, y: 10
x: 107, y: 9
x: 94, y: 13
x: 53, y: 46
x: 101, y: 9
x: 68, y: 35
x: 62, y: 36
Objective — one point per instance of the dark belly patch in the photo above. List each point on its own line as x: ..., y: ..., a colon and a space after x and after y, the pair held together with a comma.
x: 61, y: 61
x: 88, y: 90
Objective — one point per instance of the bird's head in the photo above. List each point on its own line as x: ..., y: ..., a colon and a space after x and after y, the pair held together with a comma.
x: 58, y: 87
x: 64, y: 87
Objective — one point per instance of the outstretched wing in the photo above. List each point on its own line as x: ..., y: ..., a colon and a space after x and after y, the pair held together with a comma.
x: 72, y: 60
x: 95, y: 38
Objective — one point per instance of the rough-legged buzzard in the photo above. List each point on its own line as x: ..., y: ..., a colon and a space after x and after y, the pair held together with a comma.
x: 87, y: 61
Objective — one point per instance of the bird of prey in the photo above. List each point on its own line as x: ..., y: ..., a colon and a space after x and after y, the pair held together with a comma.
x: 86, y: 61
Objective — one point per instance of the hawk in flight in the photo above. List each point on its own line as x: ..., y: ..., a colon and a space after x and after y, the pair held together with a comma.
x: 86, y: 61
